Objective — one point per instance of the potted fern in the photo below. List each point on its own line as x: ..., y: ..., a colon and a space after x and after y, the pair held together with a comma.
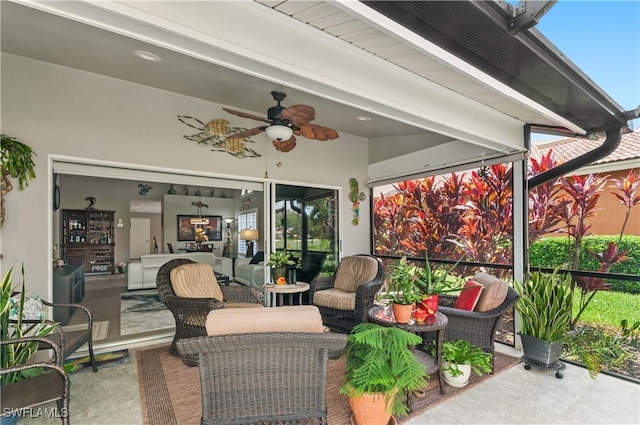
x: 380, y: 370
x: 459, y: 359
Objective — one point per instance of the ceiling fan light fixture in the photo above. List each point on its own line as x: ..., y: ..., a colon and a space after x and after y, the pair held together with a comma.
x: 279, y: 132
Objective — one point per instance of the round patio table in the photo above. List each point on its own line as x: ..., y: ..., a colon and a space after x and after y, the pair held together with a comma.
x: 382, y: 315
x: 271, y: 289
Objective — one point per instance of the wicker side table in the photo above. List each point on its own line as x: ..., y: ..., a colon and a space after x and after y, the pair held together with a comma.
x: 381, y: 316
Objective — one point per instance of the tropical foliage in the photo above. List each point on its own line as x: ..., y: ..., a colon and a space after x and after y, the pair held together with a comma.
x: 460, y: 352
x: 18, y: 353
x: 470, y: 215
x: 545, y: 305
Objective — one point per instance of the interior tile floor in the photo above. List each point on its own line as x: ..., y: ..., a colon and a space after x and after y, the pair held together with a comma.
x: 516, y: 396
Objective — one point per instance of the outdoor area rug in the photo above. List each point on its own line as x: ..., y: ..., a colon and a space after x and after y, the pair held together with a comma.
x: 142, y: 311
x: 170, y: 391
x: 104, y: 360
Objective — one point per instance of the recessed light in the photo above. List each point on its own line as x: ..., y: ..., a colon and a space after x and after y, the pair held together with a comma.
x: 147, y: 56
x: 363, y: 118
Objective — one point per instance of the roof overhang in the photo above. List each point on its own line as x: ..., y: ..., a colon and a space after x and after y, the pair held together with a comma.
x: 478, y: 33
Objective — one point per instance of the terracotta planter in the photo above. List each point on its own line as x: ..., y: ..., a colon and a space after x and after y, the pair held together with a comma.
x: 402, y: 312
x: 370, y: 409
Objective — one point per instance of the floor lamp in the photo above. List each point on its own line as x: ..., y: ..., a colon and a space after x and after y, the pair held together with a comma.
x: 249, y: 235
x: 227, y: 250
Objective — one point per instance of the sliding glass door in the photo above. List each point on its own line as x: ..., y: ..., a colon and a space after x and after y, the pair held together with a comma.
x: 306, y: 221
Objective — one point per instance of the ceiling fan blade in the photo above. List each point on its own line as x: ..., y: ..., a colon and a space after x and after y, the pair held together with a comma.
x: 285, y: 145
x: 317, y: 132
x: 245, y: 115
x: 246, y: 133
x: 298, y: 115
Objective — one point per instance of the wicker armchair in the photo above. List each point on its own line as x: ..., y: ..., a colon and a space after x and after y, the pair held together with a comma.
x: 339, y: 319
x: 263, y: 377
x: 477, y: 328
x: 190, y: 314
x: 40, y: 389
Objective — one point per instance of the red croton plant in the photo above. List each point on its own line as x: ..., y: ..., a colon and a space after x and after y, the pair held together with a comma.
x: 470, y: 215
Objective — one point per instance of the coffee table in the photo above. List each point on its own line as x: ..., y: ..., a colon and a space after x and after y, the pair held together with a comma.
x: 271, y: 290
x: 381, y: 316
x: 222, y: 279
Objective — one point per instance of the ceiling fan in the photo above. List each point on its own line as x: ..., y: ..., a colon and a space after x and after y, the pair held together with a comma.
x: 285, y: 123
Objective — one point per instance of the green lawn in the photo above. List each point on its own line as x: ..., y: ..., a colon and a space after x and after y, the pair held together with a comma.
x: 609, y: 308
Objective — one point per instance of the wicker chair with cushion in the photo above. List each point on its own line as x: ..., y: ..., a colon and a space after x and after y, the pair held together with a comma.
x: 345, y: 298
x: 479, y: 325
x: 267, y: 366
x: 190, y: 311
x: 40, y: 389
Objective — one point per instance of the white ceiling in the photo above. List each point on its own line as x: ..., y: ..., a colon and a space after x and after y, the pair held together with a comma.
x: 43, y: 36
x: 429, y: 98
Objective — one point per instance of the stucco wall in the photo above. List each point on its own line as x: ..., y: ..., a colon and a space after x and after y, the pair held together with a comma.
x: 61, y: 111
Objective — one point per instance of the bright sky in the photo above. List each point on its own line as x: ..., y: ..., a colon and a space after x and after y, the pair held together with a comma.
x: 603, y: 39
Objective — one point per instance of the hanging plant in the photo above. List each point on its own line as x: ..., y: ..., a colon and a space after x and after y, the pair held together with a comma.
x: 17, y: 162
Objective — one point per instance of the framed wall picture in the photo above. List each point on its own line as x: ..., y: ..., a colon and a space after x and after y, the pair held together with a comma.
x: 187, y: 231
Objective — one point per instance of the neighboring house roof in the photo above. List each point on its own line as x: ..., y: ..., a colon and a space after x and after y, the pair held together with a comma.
x: 566, y: 149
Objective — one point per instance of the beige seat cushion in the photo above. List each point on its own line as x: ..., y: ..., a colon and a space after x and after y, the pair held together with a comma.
x: 355, y: 270
x: 493, y: 294
x: 229, y: 304
x: 335, y: 298
x: 195, y: 280
x: 303, y: 318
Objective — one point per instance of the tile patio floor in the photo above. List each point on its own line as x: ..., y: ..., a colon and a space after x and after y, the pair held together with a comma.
x: 516, y: 396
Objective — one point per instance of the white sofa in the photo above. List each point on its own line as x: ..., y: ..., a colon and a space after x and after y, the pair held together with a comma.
x: 142, y: 274
x: 249, y: 274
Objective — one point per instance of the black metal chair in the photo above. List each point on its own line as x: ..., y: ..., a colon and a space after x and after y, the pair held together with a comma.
x: 70, y: 341
x: 311, y: 266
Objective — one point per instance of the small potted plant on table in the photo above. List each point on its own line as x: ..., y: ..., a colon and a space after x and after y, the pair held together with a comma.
x: 380, y: 370
x: 278, y: 261
x: 402, y: 291
x: 430, y: 285
x: 459, y: 359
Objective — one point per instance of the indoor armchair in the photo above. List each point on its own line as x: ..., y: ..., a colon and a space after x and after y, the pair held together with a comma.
x: 345, y: 298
